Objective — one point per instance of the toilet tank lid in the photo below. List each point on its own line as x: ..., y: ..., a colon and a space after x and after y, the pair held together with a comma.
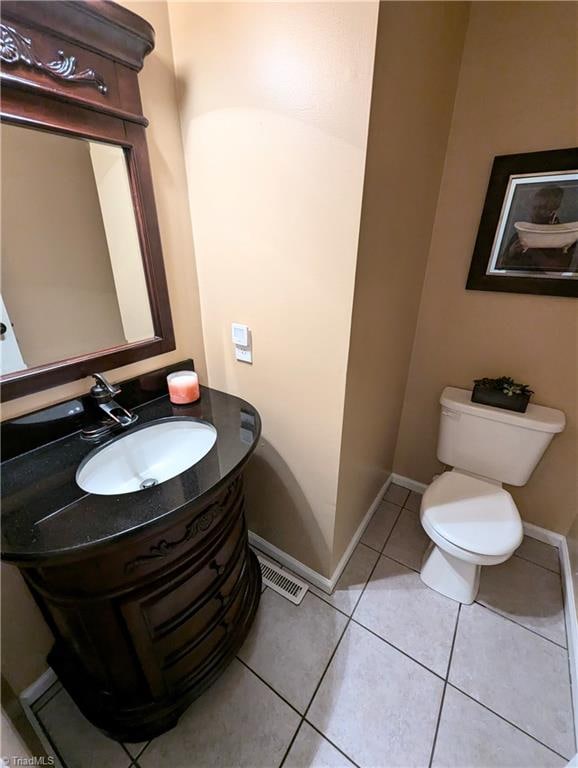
x: 537, y: 417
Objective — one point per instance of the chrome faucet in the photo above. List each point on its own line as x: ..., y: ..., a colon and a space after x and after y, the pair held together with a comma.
x: 103, y: 393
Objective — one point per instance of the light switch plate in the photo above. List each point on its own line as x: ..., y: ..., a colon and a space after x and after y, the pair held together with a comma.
x: 243, y: 354
x: 240, y: 334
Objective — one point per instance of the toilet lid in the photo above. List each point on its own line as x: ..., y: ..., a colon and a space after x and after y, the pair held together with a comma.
x: 472, y: 514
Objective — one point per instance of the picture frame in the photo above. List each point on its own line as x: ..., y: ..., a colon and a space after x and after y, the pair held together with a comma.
x: 527, y: 240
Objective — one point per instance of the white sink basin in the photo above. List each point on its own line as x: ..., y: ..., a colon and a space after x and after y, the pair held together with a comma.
x: 146, y: 456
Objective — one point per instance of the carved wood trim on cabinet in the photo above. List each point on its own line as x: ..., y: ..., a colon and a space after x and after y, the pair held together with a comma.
x: 134, y: 646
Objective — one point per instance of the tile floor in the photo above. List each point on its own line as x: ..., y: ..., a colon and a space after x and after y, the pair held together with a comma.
x: 382, y: 673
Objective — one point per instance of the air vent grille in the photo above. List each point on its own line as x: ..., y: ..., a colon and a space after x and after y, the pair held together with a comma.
x: 282, y: 581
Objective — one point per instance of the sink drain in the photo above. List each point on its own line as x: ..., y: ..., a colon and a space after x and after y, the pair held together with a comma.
x: 148, y: 483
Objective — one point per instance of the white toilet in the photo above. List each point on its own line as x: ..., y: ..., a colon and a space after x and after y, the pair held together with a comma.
x: 471, y: 520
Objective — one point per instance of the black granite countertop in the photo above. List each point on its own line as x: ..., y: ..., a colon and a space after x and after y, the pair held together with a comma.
x: 45, y: 514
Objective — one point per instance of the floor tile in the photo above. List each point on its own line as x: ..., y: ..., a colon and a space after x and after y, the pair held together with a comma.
x: 377, y: 705
x: 311, y: 750
x: 539, y: 553
x: 413, y: 501
x: 78, y: 742
x: 408, y: 540
x: 526, y: 593
x: 396, y: 495
x: 470, y: 735
x: 135, y: 749
x: 380, y: 525
x: 517, y: 674
x: 290, y: 645
x: 352, y: 581
x: 399, y: 607
x: 49, y: 694
x: 238, y: 722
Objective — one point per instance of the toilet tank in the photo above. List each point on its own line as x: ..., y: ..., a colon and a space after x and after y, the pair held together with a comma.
x: 492, y: 442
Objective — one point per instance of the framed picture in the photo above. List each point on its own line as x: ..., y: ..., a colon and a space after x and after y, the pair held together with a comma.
x: 528, y: 236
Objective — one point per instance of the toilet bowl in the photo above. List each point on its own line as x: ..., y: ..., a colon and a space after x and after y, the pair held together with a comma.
x: 471, y: 520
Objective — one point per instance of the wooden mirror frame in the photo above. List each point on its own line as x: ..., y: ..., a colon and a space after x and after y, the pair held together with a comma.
x: 71, y: 67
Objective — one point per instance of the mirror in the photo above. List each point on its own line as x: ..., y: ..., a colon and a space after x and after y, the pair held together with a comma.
x: 73, y: 280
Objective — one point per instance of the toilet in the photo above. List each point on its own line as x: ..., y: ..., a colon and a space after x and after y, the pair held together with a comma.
x: 471, y: 520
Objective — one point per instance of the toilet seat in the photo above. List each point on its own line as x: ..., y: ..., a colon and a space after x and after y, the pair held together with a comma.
x: 472, y: 519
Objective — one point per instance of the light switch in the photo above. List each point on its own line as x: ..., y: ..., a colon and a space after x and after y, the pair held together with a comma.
x: 241, y: 336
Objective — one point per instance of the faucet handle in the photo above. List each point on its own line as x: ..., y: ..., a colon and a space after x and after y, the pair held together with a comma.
x: 103, y: 390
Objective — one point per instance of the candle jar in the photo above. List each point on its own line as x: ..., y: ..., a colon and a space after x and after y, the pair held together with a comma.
x: 183, y: 387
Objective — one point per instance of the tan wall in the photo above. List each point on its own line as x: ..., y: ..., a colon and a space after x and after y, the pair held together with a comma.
x: 24, y: 648
x: 411, y: 109
x: 113, y: 187
x: 516, y: 93
x: 55, y: 266
x: 13, y: 745
x: 274, y: 102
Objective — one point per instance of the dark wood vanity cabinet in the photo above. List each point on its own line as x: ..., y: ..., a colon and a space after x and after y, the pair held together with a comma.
x: 144, y: 618
x: 143, y: 626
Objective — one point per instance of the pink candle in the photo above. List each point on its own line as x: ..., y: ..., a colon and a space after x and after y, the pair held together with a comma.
x: 183, y: 387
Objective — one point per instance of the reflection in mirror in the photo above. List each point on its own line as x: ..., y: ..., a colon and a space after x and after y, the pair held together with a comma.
x: 73, y: 281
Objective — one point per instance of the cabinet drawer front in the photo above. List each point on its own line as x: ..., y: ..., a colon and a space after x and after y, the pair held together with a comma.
x: 185, y: 540
x: 191, y: 624
x: 179, y: 598
x: 189, y: 661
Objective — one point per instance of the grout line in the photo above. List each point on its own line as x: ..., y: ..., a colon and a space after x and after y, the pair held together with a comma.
x: 395, y: 647
x: 540, y: 565
x: 497, y: 714
x: 405, y: 565
x: 349, y: 620
x: 434, y: 743
x: 134, y: 758
x: 400, y: 510
x: 395, y: 502
x: 332, y: 743
x: 347, y: 623
x: 60, y: 687
x: 146, y: 746
x: 276, y: 692
x: 393, y: 527
x: 339, y: 610
x: 522, y: 626
x: 48, y: 736
x: 291, y: 743
x: 435, y: 738
x: 130, y: 757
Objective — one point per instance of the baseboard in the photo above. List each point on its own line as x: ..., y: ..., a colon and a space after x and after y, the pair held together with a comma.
x: 287, y: 561
x: 407, y: 482
x: 560, y: 541
x: 28, y: 697
x: 38, y: 687
x: 313, y: 577
x: 359, y: 532
x: 543, y: 534
x: 570, y: 609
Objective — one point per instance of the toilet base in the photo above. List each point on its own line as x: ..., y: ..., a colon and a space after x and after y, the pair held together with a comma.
x: 449, y: 575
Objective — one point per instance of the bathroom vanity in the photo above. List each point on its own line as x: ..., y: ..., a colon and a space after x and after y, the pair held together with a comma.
x: 149, y: 593
x: 149, y: 590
